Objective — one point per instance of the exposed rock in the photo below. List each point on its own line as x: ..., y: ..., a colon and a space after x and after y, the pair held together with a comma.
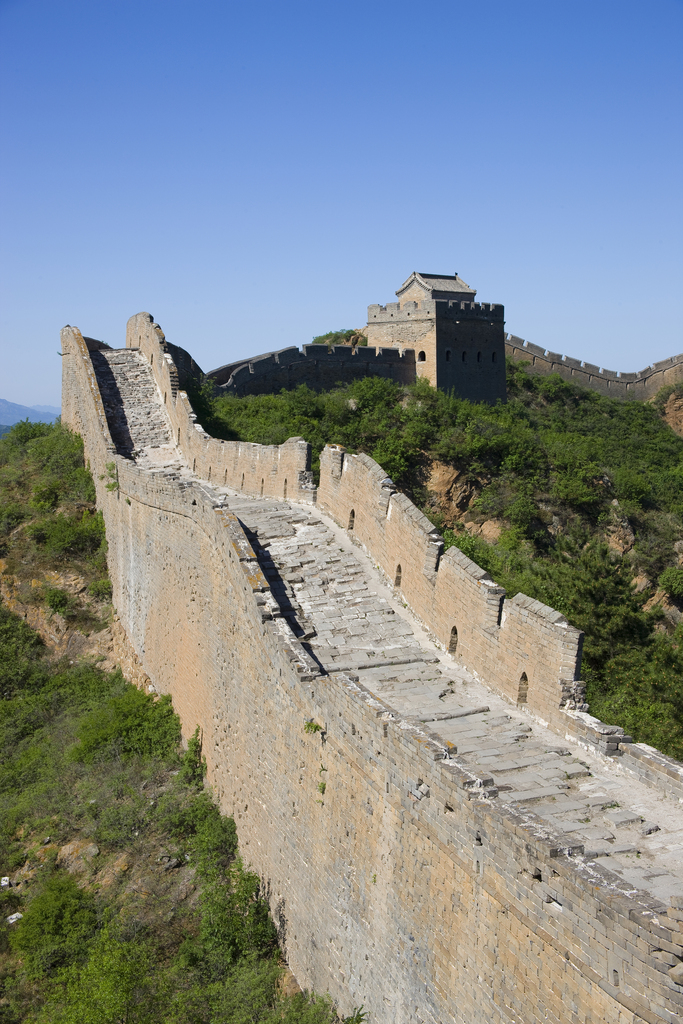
x: 619, y: 533
x: 641, y: 583
x: 76, y: 857
x: 673, y: 413
x: 452, y: 493
x: 121, y: 865
x: 288, y: 984
x: 676, y: 974
x: 672, y: 611
x: 61, y: 638
x: 490, y: 530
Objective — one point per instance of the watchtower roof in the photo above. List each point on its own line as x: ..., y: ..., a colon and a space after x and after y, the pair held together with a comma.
x: 438, y: 286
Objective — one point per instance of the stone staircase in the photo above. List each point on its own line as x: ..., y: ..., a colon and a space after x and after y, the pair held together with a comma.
x: 352, y: 621
x: 132, y: 403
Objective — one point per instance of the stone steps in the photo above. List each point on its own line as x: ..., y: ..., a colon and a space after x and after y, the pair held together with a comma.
x: 132, y: 403
x: 330, y: 595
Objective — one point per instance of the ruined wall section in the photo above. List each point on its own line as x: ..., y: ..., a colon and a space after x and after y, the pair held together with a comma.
x: 524, y: 649
x: 612, y: 383
x: 408, y: 887
x: 274, y: 471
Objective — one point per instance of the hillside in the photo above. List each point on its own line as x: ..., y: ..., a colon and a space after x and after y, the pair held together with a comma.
x: 133, y: 902
x: 569, y: 497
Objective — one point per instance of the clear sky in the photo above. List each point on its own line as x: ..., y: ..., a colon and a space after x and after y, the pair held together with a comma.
x: 255, y: 174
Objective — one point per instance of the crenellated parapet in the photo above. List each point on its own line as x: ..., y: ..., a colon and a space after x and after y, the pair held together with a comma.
x: 642, y: 385
x: 316, y: 366
x: 430, y: 308
x: 529, y: 649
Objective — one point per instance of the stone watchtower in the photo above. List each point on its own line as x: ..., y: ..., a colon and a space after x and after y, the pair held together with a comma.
x: 459, y: 343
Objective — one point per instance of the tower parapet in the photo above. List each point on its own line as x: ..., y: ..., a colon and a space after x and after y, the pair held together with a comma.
x: 459, y: 343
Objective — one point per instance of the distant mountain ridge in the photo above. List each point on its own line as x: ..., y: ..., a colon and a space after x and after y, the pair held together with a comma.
x: 11, y: 413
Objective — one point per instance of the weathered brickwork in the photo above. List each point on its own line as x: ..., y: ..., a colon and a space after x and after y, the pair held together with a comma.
x: 643, y: 385
x: 316, y: 366
x: 457, y: 600
x: 442, y: 874
x: 460, y: 346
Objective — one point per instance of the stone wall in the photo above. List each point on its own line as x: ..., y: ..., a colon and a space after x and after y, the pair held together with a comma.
x: 407, y: 887
x: 272, y: 470
x: 459, y: 602
x: 315, y: 365
x: 643, y: 385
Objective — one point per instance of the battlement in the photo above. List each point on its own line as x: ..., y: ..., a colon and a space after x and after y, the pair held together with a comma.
x: 431, y: 308
x: 642, y: 385
x: 315, y: 365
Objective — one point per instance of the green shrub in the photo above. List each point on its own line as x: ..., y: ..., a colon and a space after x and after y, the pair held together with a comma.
x: 341, y: 337
x: 12, y: 513
x: 59, y: 601
x: 45, y: 497
x: 21, y: 649
x: 134, y: 723
x: 61, y: 535
x: 193, y: 766
x: 671, y: 581
x: 101, y: 589
x: 57, y: 922
x: 117, y: 983
x: 120, y: 823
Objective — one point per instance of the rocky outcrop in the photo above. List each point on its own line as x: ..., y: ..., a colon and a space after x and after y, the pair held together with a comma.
x: 673, y: 413
x: 451, y: 491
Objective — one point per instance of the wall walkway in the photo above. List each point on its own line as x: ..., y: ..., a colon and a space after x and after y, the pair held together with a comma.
x: 447, y: 846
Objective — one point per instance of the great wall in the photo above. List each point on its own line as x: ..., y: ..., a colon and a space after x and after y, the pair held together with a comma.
x: 643, y: 385
x: 452, y: 837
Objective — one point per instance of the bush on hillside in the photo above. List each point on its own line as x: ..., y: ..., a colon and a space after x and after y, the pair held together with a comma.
x: 671, y: 581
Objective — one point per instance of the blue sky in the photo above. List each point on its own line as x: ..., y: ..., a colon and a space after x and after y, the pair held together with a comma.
x: 257, y: 174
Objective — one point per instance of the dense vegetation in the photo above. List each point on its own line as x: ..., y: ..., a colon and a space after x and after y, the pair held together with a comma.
x: 587, y: 492
x: 158, y: 919
x: 48, y: 521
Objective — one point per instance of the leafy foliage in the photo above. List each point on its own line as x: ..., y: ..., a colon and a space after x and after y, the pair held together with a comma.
x: 55, y: 925
x: 193, y: 768
x: 342, y: 337
x: 671, y: 580
x: 47, y: 515
x: 78, y: 748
